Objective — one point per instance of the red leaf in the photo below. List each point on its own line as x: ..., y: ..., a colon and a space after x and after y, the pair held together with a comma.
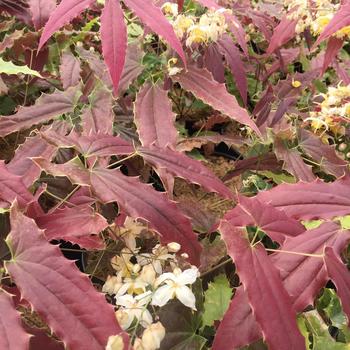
x: 140, y: 200
x: 333, y: 47
x: 303, y: 276
x: 63, y: 296
x: 41, y: 11
x: 99, y: 116
x: 153, y: 17
x: 233, y: 59
x: 276, y: 224
x: 271, y: 303
x: 12, y: 335
x: 340, y: 20
x: 201, y: 83
x: 12, y: 187
x: 69, y: 70
x: 75, y: 225
x: 22, y: 165
x: 292, y: 162
x: 154, y: 117
x: 282, y: 34
x: 340, y: 276
x: 64, y: 13
x: 114, y: 40
x: 307, y: 201
x: 46, y: 107
x: 325, y: 155
x: 179, y: 164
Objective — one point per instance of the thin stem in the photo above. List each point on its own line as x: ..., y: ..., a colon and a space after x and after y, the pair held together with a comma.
x: 295, y: 253
x: 122, y: 160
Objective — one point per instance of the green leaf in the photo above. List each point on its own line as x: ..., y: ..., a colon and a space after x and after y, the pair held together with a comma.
x: 10, y: 68
x: 217, y: 299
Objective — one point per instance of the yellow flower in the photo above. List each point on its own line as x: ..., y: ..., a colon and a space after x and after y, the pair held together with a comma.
x: 296, y: 83
x: 181, y: 25
x: 170, y: 9
x: 343, y: 32
x: 115, y: 342
x: 196, y: 34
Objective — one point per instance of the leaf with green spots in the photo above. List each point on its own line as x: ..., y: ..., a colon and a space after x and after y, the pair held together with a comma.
x: 217, y: 299
x: 10, y: 68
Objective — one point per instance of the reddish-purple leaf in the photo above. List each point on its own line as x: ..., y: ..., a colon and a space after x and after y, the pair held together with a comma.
x: 232, y: 56
x: 12, y: 334
x: 41, y: 11
x: 180, y: 165
x: 12, y: 187
x: 340, y: 276
x: 238, y: 327
x: 333, y: 47
x: 307, y: 201
x: 153, y: 17
x: 342, y: 73
x: 303, y: 276
x: 340, y: 20
x: 282, y: 34
x: 251, y: 212
x: 201, y: 83
x: 270, y: 301
x: 62, y: 295
x: 325, y: 155
x: 99, y: 116
x: 132, y: 67
x: 69, y: 70
x: 292, y: 162
x: 63, y: 14
x: 46, y: 107
x: 154, y: 117
x: 75, y: 225
x: 22, y: 165
x: 140, y: 200
x: 114, y: 40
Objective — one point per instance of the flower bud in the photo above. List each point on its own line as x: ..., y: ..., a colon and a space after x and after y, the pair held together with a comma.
x: 152, y: 336
x: 184, y: 255
x: 342, y: 147
x: 123, y: 319
x: 115, y: 342
x: 173, y: 247
x: 112, y: 285
x: 148, y: 274
x: 136, y: 268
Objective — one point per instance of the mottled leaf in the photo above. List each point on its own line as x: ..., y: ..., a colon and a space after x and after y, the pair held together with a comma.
x: 201, y: 83
x: 10, y: 68
x: 154, y: 117
x: 181, y: 165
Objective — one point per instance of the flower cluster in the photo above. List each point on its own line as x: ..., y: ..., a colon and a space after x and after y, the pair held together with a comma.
x: 202, y: 30
x: 333, y: 110
x: 145, y: 279
x: 314, y: 15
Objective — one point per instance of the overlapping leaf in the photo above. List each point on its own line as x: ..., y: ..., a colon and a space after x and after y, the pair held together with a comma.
x: 180, y: 165
x: 201, y: 83
x: 69, y: 70
x: 12, y: 335
x: 46, y: 108
x: 154, y: 117
x: 307, y: 201
x: 41, y: 11
x: 271, y: 303
x: 56, y: 289
x: 140, y: 200
x: 10, y: 68
x: 340, y: 276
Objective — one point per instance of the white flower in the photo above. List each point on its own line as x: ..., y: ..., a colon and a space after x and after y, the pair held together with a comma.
x: 175, y: 286
x: 115, y: 342
x: 136, y: 307
x: 152, y: 336
x: 148, y: 274
x: 132, y: 286
x: 112, y: 285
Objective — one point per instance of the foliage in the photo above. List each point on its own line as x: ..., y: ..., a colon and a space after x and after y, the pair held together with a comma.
x: 194, y: 154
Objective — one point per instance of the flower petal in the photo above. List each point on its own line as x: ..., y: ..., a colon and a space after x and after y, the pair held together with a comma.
x: 188, y: 276
x: 162, y: 295
x: 185, y: 295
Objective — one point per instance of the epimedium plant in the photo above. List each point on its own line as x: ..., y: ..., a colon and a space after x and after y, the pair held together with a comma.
x: 119, y: 100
